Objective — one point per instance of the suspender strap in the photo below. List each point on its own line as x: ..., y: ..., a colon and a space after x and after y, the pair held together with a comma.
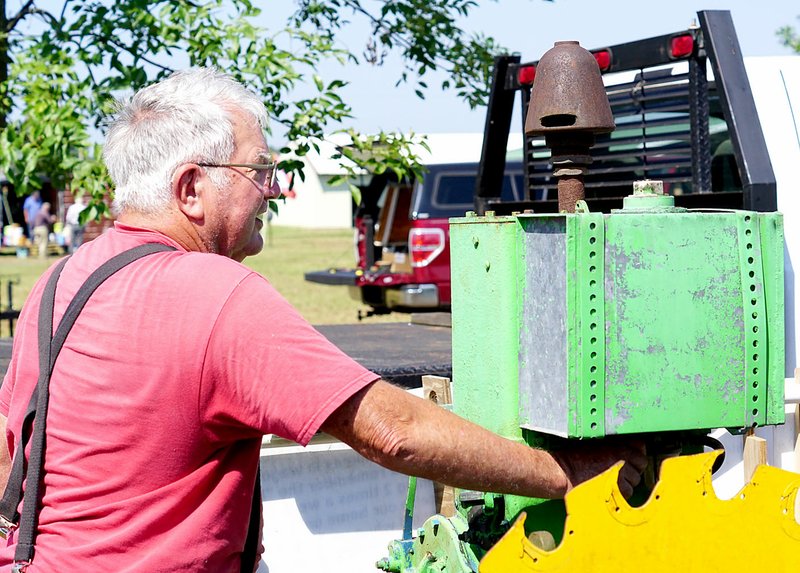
x: 13, y: 493
x: 253, y: 529
x: 49, y: 348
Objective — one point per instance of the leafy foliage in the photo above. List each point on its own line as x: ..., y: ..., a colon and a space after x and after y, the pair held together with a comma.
x: 789, y: 37
x: 64, y: 68
x: 378, y: 154
x: 426, y: 33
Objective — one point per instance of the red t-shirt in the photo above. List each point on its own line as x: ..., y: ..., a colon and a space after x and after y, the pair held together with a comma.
x: 174, y: 370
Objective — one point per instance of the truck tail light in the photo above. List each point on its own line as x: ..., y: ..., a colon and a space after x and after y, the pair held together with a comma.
x: 424, y: 245
x: 359, y: 248
x: 526, y: 74
x: 681, y: 46
x: 360, y: 243
x: 603, y: 58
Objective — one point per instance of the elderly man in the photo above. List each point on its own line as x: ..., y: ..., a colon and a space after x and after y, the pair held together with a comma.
x: 183, y: 360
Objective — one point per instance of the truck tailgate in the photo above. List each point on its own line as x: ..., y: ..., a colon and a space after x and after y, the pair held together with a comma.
x: 400, y: 352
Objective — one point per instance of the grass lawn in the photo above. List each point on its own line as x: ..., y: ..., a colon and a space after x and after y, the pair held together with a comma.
x: 288, y: 253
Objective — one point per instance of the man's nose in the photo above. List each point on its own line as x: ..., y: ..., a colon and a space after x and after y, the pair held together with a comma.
x: 273, y: 191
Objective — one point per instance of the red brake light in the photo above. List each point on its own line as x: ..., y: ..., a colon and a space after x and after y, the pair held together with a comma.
x: 525, y: 75
x: 424, y: 245
x: 681, y: 46
x: 603, y: 58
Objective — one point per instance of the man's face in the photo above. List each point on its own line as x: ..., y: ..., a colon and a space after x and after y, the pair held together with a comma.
x: 236, y: 214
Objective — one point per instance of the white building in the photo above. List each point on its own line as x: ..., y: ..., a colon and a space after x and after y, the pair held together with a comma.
x: 316, y: 203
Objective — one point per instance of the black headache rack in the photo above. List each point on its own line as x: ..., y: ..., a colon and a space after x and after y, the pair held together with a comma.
x: 698, y: 132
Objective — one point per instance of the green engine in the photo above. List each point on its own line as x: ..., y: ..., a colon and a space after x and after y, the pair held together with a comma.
x: 652, y: 321
x: 649, y: 319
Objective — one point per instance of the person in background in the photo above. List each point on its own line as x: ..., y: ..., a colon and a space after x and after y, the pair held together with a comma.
x: 41, y: 229
x: 74, y: 228
x: 30, y: 208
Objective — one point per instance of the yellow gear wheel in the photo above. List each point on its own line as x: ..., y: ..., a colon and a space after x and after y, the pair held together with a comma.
x: 682, y: 527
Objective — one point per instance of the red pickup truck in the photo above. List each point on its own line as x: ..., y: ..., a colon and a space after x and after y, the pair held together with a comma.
x: 402, y: 240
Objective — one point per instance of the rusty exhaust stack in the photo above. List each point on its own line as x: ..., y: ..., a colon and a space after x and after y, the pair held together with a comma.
x: 569, y: 106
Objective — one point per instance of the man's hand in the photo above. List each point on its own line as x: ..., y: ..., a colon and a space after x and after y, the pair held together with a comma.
x: 584, y: 460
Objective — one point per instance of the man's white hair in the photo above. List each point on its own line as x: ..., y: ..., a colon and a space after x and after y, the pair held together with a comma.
x: 184, y: 118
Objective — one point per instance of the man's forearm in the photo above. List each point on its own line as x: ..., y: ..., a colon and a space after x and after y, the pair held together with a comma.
x: 414, y: 436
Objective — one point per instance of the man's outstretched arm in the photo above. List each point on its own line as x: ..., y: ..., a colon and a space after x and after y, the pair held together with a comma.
x: 414, y: 436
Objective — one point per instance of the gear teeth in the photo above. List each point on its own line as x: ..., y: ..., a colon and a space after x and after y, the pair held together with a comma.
x: 683, y: 526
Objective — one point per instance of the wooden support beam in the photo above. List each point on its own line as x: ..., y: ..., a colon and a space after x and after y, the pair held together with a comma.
x: 797, y: 438
x: 437, y: 390
x: 796, y: 420
x: 755, y: 454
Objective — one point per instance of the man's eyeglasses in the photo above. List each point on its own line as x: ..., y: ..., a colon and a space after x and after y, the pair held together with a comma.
x: 268, y: 169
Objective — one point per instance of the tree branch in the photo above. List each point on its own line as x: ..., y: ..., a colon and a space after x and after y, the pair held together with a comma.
x: 74, y: 38
x: 140, y: 56
x: 64, y: 9
x: 357, y: 7
x: 26, y: 9
x: 45, y: 16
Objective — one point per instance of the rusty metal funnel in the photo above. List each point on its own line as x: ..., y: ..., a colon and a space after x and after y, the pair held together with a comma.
x: 568, y: 93
x: 569, y: 106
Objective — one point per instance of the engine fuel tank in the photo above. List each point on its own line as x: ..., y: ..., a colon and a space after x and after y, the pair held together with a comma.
x: 651, y: 318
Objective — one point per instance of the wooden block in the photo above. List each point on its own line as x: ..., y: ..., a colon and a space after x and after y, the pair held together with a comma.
x: 755, y: 454
x: 796, y: 419
x: 444, y: 497
x: 797, y: 456
x: 437, y: 390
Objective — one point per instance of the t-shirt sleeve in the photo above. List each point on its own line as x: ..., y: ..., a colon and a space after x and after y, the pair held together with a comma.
x: 5, y: 392
x: 268, y: 371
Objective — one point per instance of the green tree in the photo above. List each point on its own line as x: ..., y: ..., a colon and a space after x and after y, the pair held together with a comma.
x: 61, y: 63
x: 790, y: 38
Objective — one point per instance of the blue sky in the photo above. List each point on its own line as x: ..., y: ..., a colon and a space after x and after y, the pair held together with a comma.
x: 531, y: 27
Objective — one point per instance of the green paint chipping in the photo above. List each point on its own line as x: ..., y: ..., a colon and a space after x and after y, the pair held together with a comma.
x: 668, y: 320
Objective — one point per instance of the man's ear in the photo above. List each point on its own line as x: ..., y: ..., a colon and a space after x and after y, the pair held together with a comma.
x: 188, y: 186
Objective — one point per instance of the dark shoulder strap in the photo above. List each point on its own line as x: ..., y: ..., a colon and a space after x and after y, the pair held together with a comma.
x: 49, y: 348
x: 13, y: 491
x: 253, y: 538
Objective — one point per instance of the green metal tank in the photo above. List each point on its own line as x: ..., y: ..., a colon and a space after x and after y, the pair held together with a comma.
x: 649, y: 319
